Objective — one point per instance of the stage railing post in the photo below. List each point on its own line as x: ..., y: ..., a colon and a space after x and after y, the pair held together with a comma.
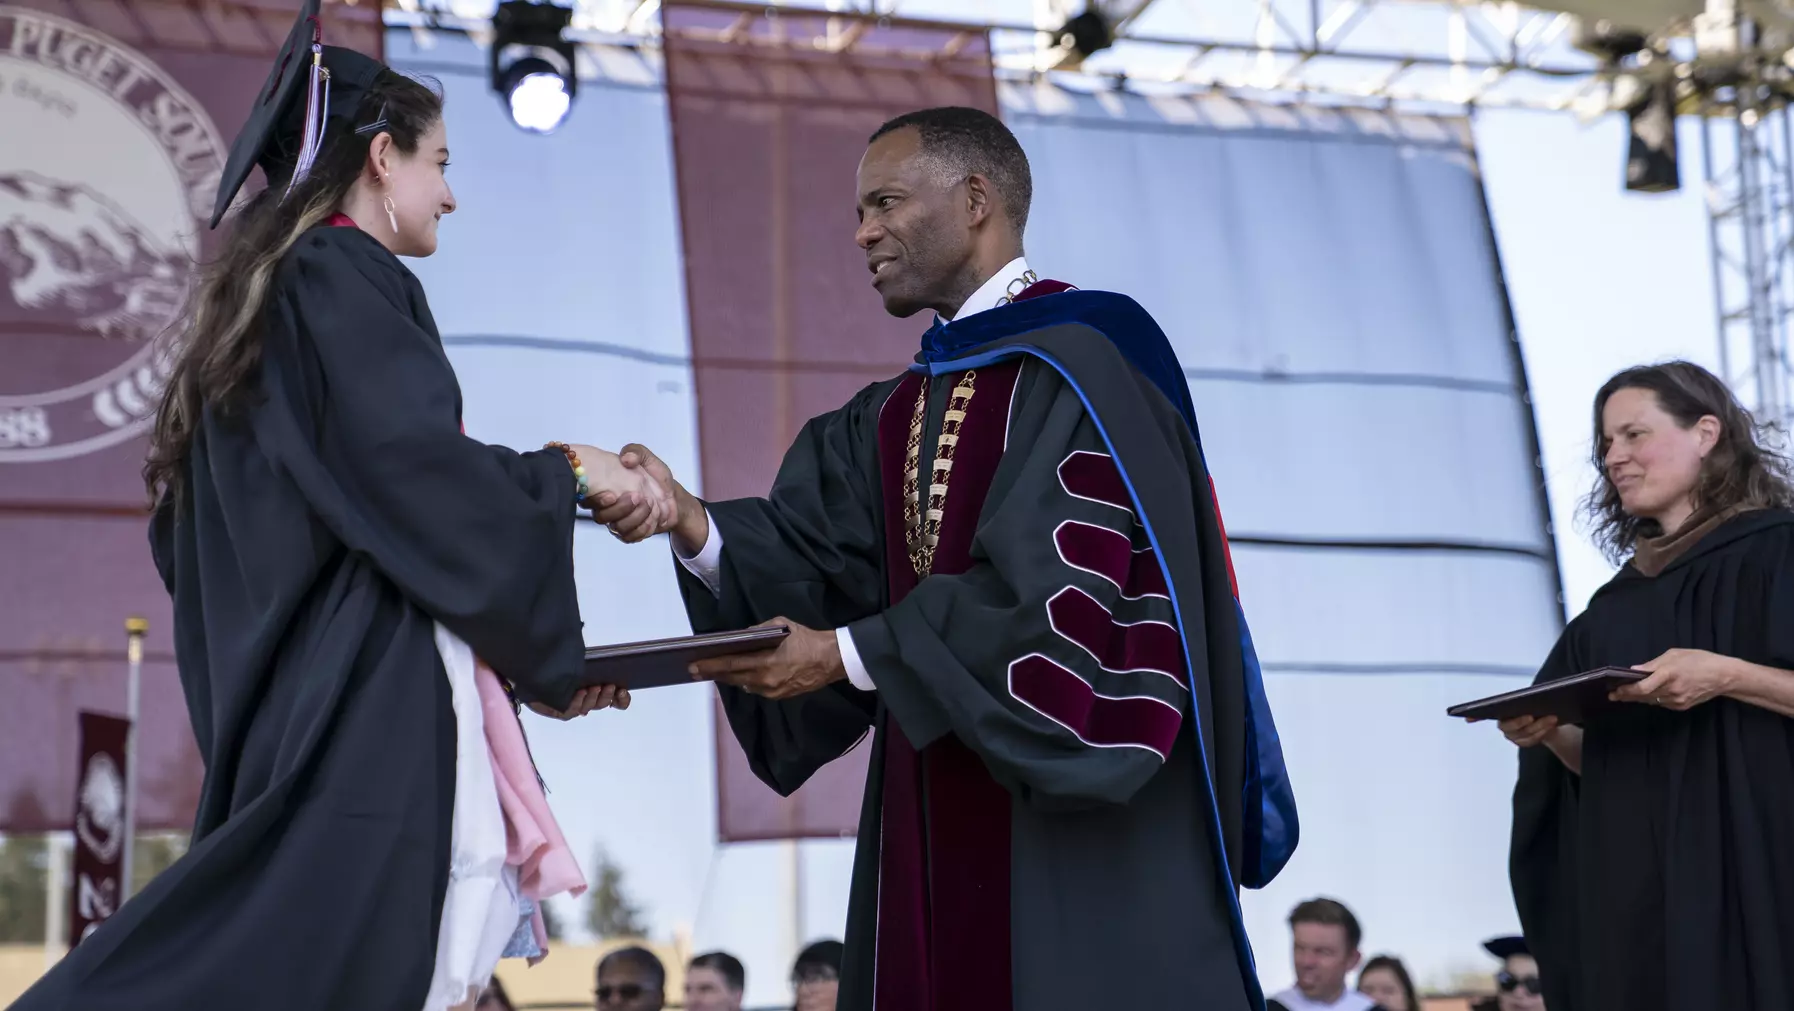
x: 135, y: 629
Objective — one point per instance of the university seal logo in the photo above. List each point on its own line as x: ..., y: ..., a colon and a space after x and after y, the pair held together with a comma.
x: 106, y: 182
x: 100, y: 821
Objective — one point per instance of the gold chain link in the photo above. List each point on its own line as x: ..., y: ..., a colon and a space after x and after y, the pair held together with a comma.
x: 922, y: 529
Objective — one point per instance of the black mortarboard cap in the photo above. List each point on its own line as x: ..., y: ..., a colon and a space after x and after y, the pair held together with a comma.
x: 1507, y: 947
x: 275, y: 131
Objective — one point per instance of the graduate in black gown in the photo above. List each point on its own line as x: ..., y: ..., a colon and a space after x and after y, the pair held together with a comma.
x: 1007, y: 562
x: 318, y: 515
x: 1653, y: 848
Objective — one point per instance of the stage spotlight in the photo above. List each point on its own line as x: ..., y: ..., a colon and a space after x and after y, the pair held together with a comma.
x: 1651, y: 162
x: 537, y: 94
x: 532, y: 63
x: 1611, y: 42
x: 1083, y: 35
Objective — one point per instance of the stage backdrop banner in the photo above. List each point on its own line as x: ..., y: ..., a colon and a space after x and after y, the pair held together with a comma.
x: 116, y: 118
x: 1330, y: 282
x: 99, y: 824
x: 770, y: 115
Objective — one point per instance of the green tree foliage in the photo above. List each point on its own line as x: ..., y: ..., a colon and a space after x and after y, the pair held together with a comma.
x: 23, y: 864
x: 551, y: 922
x: 154, y: 854
x: 24, y: 874
x: 609, y: 912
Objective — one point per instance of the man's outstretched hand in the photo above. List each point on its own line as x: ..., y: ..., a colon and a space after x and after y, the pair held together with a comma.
x: 805, y: 661
x: 627, y: 490
x: 631, y: 520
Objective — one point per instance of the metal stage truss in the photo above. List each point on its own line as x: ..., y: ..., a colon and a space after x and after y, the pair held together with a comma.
x: 1732, y: 72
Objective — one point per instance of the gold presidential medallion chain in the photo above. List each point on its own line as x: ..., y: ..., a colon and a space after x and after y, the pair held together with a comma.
x: 1027, y: 280
x: 922, y: 529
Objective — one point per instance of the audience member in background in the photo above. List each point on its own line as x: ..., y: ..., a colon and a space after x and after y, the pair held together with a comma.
x: 1325, y: 938
x: 495, y: 998
x: 1385, y: 980
x: 816, y: 976
x: 631, y: 979
x: 1517, y: 983
x: 1653, y: 850
x: 714, y: 982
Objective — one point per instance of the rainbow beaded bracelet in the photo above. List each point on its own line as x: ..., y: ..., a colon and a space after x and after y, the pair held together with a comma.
x: 583, y: 488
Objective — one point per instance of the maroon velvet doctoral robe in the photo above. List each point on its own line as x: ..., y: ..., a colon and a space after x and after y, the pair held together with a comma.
x: 1036, y: 832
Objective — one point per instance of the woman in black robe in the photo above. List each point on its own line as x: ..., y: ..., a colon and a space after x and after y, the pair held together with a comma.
x: 320, y: 520
x: 1653, y: 847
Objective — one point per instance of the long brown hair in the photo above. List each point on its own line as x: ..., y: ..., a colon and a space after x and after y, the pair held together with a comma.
x: 1744, y: 469
x: 215, y: 344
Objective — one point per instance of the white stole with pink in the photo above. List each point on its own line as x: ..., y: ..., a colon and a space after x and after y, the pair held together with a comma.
x: 505, y: 843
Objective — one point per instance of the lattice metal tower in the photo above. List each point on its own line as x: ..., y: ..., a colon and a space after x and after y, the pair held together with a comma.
x: 1728, y: 60
x: 1747, y: 141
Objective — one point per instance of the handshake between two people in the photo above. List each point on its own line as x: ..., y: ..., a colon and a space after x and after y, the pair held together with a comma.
x: 634, y: 494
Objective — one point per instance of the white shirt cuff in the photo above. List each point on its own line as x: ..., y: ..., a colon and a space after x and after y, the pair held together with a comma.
x: 850, y: 659
x: 707, y: 564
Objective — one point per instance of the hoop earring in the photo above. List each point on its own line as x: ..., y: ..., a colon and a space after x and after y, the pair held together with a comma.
x: 390, y: 216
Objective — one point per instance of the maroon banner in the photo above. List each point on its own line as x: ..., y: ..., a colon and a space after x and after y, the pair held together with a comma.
x: 97, y: 885
x: 771, y: 110
x: 116, y: 118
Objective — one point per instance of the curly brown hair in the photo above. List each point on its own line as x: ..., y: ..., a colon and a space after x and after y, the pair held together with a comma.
x: 1744, y: 468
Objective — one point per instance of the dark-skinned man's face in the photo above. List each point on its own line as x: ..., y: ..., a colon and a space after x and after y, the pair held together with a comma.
x: 916, y: 232
x: 625, y: 986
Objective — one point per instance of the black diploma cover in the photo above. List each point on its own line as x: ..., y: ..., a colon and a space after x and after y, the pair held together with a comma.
x: 660, y: 662
x: 1570, y: 699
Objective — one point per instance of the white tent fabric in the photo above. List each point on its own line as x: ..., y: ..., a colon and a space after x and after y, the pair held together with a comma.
x: 1331, y: 287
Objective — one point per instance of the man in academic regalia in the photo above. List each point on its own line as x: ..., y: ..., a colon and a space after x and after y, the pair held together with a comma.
x: 1008, y: 562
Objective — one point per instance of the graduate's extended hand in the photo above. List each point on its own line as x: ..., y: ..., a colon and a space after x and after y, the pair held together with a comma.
x: 805, y: 661
x: 1681, y: 679
x: 587, y: 700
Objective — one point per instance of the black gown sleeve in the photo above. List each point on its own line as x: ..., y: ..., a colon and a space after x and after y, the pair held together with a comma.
x: 811, y: 551
x: 1778, y: 606
x: 1056, y: 656
x: 1542, y: 849
x: 365, y: 419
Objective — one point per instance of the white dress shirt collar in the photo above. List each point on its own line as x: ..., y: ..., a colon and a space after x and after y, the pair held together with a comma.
x: 993, y: 292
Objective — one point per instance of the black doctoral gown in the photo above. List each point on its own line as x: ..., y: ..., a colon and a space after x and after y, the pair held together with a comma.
x: 1662, y: 877
x: 1019, y: 665
x: 319, y: 537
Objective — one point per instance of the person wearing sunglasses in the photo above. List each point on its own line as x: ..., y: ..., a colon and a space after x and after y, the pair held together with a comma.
x: 631, y: 979
x: 1517, y: 982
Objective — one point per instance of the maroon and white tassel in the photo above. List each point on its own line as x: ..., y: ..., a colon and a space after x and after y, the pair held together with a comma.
x: 317, y: 104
